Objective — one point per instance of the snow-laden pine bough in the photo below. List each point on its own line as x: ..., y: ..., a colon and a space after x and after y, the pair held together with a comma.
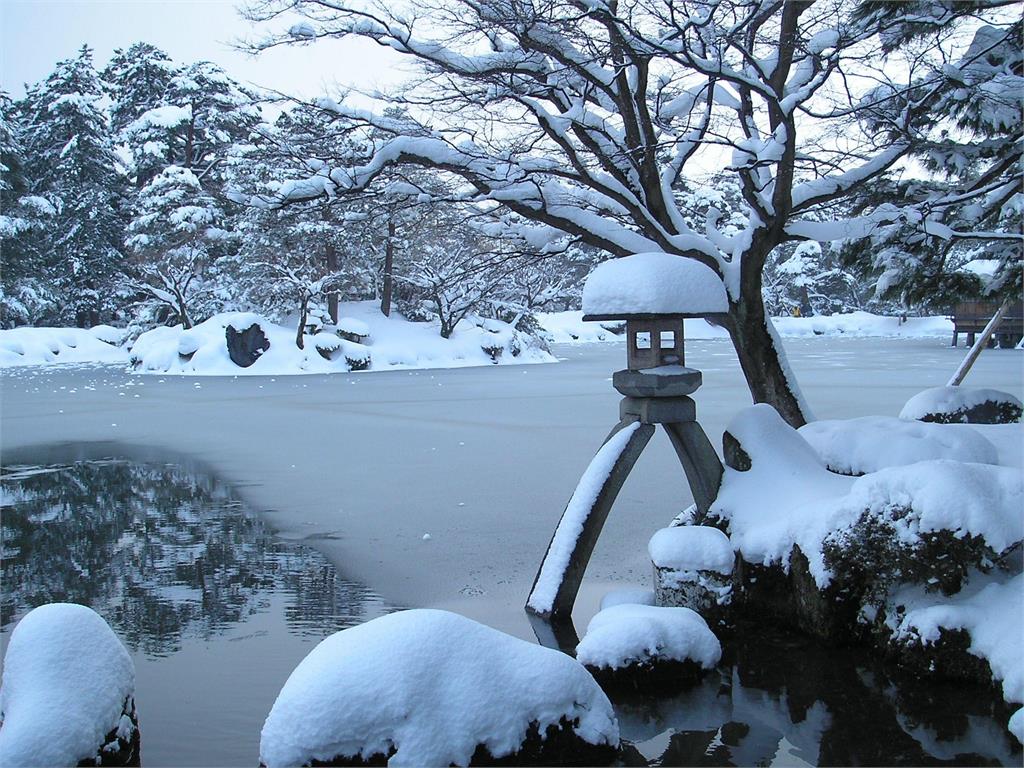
x: 586, y: 121
x: 68, y: 694
x: 428, y: 687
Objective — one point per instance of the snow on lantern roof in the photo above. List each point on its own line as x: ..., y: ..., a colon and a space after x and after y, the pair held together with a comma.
x: 653, y: 284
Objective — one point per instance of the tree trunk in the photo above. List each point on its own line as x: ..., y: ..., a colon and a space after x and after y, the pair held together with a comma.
x: 389, y: 263
x: 761, y: 362
x: 303, y: 309
x: 332, y: 266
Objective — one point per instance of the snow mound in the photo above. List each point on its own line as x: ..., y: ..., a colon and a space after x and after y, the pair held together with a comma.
x: 396, y: 343
x: 871, y: 443
x: 66, y: 680
x: 692, y: 548
x: 40, y: 346
x: 433, y: 686
x: 787, y: 498
x: 653, y: 283
x: 1016, y: 725
x: 953, y: 402
x: 623, y: 635
x: 630, y: 596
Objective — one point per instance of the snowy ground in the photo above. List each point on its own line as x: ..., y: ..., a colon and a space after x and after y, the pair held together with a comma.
x: 482, y: 459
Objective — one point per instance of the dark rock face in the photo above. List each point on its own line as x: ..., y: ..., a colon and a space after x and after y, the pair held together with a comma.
x: 988, y: 412
x: 122, y: 746
x: 245, y: 347
x: 558, y: 746
x: 663, y: 676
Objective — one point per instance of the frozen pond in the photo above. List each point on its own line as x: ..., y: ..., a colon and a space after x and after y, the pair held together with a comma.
x: 360, y: 467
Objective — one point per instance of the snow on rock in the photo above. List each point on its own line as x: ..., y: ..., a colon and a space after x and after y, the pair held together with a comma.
x: 955, y: 404
x: 1016, y: 725
x: 692, y: 548
x: 563, y: 543
x: 991, y: 613
x: 432, y: 686
x: 67, y: 683
x: 396, y: 343
x: 626, y: 635
x: 628, y: 596
x: 871, y: 443
x: 656, y: 283
x: 40, y: 346
x: 353, y: 326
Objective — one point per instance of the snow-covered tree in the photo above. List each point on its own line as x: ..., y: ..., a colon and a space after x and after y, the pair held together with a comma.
x: 175, y: 235
x: 583, y: 117
x: 971, y: 206
x: 69, y: 160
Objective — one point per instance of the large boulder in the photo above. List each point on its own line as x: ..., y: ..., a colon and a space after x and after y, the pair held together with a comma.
x: 246, y: 346
x: 68, y: 693
x: 427, y: 687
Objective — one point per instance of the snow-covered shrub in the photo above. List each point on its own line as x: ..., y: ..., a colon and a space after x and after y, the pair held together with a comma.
x: 427, y: 687
x: 68, y: 692
x: 38, y: 346
x: 645, y: 646
x: 967, y: 405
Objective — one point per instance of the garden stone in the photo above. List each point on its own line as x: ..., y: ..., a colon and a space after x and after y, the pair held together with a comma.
x: 245, y: 347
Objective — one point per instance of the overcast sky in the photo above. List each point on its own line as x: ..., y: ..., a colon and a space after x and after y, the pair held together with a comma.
x: 35, y: 34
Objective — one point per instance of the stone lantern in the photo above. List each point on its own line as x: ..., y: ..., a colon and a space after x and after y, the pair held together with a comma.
x: 653, y: 293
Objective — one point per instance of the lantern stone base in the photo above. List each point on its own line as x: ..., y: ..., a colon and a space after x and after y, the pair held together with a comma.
x: 669, y: 381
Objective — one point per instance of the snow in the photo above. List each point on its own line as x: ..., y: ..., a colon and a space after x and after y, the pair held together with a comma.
x: 39, y: 346
x: 66, y: 679
x: 952, y: 399
x: 628, y: 596
x: 653, y: 283
x: 629, y: 634
x: 569, y: 327
x: 692, y: 548
x: 871, y: 443
x: 432, y: 685
x: 788, y: 498
x: 563, y: 543
x: 396, y: 343
x: 1016, y: 725
x: 989, y: 610
x: 354, y: 326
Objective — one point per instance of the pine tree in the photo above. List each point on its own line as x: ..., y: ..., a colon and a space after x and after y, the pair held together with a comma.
x: 70, y: 160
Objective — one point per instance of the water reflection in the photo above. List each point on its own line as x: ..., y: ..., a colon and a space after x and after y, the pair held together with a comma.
x: 782, y: 700
x: 163, y: 554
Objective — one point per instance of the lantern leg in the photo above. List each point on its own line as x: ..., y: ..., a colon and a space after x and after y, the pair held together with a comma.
x: 700, y: 462
x: 561, y: 572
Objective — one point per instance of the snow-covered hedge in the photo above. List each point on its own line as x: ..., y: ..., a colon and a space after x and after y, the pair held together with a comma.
x: 38, y: 346
x: 963, y: 405
x: 427, y: 687
x: 68, y: 691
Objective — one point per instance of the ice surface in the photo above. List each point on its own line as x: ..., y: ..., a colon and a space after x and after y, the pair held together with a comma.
x: 626, y: 634
x: 432, y: 685
x: 658, y: 283
x: 66, y: 678
x: 628, y: 596
x: 692, y: 548
x: 952, y: 399
x: 871, y: 443
x: 542, y: 598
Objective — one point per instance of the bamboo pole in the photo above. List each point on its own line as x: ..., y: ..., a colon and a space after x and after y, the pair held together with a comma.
x: 979, y: 345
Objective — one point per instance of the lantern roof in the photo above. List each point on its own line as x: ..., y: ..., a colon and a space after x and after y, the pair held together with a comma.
x: 649, y: 285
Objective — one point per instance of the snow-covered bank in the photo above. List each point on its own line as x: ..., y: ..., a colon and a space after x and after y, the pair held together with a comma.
x: 388, y: 343
x: 569, y: 327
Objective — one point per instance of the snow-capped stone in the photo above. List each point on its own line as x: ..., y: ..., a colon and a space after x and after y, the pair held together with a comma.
x: 692, y: 548
x: 68, y: 683
x: 353, y: 327
x: 974, y: 405
x: 653, y: 283
x: 871, y: 443
x: 626, y: 635
x: 429, y: 687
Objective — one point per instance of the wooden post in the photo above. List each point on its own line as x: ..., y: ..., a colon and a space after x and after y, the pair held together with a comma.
x: 980, y: 344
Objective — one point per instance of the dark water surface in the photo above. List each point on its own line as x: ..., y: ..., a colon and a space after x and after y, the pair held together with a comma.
x: 217, y: 611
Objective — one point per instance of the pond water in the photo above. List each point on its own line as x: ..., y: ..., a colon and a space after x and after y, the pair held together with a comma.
x: 217, y: 611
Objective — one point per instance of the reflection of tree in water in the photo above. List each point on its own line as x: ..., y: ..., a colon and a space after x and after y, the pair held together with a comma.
x: 781, y: 699
x: 160, y: 553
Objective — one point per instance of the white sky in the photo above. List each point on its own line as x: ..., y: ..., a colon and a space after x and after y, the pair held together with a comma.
x: 35, y: 34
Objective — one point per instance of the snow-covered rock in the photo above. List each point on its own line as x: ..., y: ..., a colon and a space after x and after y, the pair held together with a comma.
x: 40, y: 346
x: 967, y: 405
x: 68, y: 691
x: 353, y: 328
x: 693, y: 567
x: 427, y: 687
x: 653, y: 283
x: 638, y: 644
x: 871, y: 443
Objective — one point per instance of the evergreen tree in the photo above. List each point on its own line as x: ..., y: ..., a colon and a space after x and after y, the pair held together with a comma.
x: 70, y: 160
